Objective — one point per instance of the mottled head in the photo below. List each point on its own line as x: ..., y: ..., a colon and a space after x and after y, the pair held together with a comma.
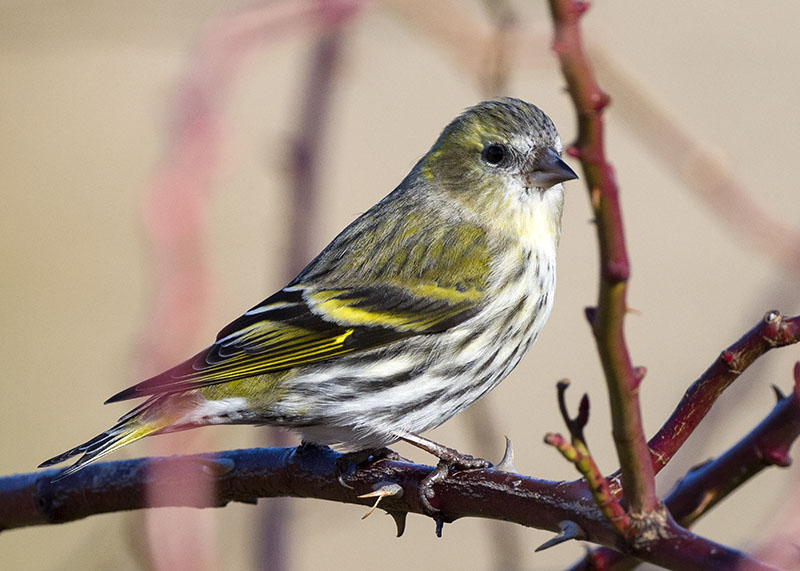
x: 504, y: 151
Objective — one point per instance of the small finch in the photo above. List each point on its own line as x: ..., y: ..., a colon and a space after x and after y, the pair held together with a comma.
x: 412, y: 313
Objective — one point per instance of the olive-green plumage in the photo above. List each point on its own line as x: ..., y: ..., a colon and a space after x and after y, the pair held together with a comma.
x: 414, y: 311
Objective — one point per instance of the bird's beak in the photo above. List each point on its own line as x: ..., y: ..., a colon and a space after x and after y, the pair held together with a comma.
x: 548, y: 169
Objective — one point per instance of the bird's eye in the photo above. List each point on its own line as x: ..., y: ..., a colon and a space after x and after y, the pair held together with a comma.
x: 494, y: 154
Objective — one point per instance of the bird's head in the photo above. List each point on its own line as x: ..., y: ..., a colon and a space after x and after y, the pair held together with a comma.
x: 497, y: 154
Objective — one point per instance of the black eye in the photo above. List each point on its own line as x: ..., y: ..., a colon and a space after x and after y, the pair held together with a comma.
x: 494, y: 154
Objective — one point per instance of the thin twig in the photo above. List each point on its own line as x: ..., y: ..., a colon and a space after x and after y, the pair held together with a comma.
x: 577, y: 452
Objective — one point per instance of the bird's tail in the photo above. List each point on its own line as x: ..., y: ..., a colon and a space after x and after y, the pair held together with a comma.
x: 130, y: 428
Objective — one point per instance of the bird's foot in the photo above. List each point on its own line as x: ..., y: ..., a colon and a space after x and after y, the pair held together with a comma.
x: 440, y: 473
x: 449, y: 459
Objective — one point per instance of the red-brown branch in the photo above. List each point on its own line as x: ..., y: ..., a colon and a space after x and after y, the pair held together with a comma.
x: 246, y: 475
x: 773, y: 331
x: 707, y: 485
x: 607, y: 319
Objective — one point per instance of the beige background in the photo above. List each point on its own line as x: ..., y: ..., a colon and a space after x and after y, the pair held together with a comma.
x: 85, y: 97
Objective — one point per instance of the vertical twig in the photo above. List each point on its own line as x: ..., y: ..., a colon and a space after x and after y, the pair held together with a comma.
x: 607, y: 319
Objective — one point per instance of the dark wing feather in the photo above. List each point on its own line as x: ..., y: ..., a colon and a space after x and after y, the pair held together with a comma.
x: 298, y: 326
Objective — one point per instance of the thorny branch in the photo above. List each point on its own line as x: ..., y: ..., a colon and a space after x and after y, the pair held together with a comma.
x: 637, y: 469
x: 773, y: 331
x: 246, y: 475
x: 622, y: 379
x: 708, y: 484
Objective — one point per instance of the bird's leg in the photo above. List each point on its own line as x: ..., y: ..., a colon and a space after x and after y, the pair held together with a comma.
x: 448, y: 458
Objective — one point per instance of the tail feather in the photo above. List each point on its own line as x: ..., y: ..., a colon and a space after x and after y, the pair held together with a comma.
x: 126, y: 431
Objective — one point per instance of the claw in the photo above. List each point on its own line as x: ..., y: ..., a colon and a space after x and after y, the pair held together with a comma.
x: 426, y: 487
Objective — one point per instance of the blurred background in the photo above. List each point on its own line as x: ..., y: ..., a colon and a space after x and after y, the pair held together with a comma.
x: 166, y: 165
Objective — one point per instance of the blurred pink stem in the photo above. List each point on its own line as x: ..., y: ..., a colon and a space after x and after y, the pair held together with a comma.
x: 174, y: 212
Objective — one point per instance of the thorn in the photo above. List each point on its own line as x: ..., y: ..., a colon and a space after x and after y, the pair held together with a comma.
x: 506, y: 463
x: 600, y: 100
x: 591, y: 314
x: 778, y: 457
x: 638, y: 375
x: 574, y: 151
x: 439, y: 525
x: 253, y: 501
x: 772, y: 316
x: 340, y: 479
x: 633, y: 311
x: 778, y: 393
x: 580, y: 7
x: 569, y: 530
x: 216, y: 467
x: 399, y: 520
x: 382, y: 490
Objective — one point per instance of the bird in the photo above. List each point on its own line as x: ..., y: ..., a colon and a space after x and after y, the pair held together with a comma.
x: 413, y: 312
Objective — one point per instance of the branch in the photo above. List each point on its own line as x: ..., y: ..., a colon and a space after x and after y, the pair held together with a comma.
x: 773, y: 331
x: 305, y: 158
x: 607, y: 319
x: 313, y: 120
x: 307, y: 471
x: 708, y: 484
x: 310, y: 472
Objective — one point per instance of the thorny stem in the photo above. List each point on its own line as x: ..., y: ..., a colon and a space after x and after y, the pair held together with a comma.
x: 708, y: 484
x: 246, y: 475
x: 773, y: 331
x: 607, y: 320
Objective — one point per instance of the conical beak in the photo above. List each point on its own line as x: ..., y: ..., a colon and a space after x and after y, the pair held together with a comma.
x: 548, y: 169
